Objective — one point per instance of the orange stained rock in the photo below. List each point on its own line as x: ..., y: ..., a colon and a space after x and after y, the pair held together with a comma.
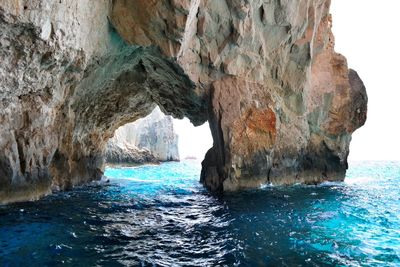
x: 254, y: 131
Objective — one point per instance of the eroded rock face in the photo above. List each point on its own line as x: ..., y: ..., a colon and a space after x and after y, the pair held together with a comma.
x: 126, y: 154
x: 41, y: 64
x: 281, y: 104
x: 147, y: 140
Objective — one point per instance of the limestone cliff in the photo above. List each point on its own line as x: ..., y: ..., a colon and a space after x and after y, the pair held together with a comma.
x: 151, y: 139
x: 281, y: 103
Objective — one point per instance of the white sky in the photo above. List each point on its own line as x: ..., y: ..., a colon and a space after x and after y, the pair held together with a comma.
x: 193, y: 141
x: 367, y: 33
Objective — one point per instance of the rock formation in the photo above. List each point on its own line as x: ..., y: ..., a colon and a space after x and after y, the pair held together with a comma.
x: 281, y: 103
x: 126, y: 154
x: 148, y: 140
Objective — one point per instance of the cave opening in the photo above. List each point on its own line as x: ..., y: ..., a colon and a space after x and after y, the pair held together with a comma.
x: 157, y: 148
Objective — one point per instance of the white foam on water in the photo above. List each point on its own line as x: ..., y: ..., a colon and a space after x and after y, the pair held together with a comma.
x: 359, y: 180
x: 328, y: 183
x: 141, y: 180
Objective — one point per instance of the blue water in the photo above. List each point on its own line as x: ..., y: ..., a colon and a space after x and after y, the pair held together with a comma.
x: 162, y: 216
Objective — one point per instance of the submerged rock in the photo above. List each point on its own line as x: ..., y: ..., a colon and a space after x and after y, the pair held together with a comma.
x: 148, y: 140
x: 281, y: 103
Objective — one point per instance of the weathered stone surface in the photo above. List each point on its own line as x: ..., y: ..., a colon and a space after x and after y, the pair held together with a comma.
x: 281, y: 104
x: 150, y: 139
x: 41, y: 63
x: 151, y: 22
x: 127, y: 154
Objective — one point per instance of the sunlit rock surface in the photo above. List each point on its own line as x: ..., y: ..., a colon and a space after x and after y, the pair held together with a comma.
x: 281, y: 104
x: 151, y: 139
x: 125, y: 154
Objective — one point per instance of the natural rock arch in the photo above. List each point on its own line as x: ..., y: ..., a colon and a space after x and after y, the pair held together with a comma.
x: 281, y: 104
x: 124, y: 87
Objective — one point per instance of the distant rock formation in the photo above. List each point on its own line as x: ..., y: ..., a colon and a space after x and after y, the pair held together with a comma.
x: 148, y: 140
x: 126, y: 154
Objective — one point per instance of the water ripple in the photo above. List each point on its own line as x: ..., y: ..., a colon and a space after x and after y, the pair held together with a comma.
x: 162, y: 216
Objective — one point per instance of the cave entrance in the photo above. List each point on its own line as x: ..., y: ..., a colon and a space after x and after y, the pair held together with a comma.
x: 152, y: 141
x: 124, y: 88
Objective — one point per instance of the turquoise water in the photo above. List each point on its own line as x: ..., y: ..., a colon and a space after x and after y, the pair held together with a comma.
x: 162, y: 216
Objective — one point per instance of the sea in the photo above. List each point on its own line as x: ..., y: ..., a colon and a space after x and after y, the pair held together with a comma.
x: 160, y: 215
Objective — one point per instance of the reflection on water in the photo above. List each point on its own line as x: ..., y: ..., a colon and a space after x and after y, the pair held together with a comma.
x: 161, y: 215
